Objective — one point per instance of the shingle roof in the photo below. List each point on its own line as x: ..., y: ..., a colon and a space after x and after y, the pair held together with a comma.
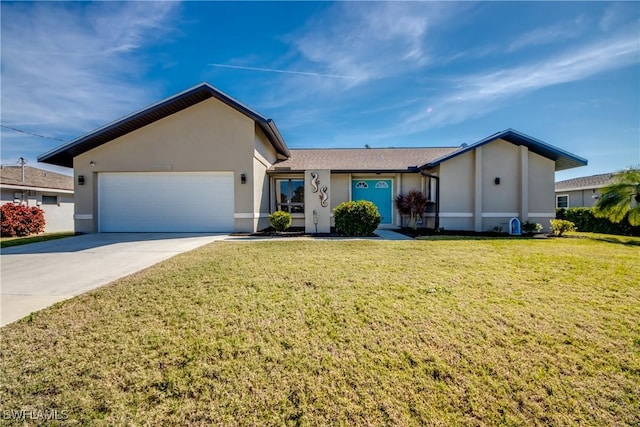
x: 585, y: 182
x: 64, y: 154
x: 563, y: 159
x: 34, y: 177
x: 361, y: 159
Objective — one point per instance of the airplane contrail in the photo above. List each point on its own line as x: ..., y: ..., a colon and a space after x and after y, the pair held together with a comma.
x: 271, y: 70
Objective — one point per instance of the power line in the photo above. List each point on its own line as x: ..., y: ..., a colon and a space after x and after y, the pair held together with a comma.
x: 32, y: 134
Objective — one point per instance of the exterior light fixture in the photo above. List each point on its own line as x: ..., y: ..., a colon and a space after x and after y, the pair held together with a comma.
x: 92, y: 163
x: 80, y: 179
x: 497, y: 181
x: 243, y: 178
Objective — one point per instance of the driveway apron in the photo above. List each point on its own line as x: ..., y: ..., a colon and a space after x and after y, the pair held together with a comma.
x: 37, y: 275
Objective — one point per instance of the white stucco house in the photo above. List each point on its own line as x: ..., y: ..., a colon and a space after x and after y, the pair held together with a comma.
x: 200, y: 161
x: 50, y: 191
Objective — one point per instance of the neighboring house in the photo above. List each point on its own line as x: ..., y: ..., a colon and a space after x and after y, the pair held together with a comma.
x: 201, y: 161
x: 581, y: 192
x: 51, y: 191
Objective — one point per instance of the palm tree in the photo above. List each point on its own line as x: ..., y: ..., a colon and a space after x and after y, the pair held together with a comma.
x: 621, y: 197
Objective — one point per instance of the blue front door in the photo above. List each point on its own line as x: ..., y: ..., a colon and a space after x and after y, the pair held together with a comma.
x: 378, y: 191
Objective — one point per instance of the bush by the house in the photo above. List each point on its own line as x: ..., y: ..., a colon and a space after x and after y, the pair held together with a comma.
x: 357, y: 218
x: 531, y: 227
x: 586, y: 221
x: 280, y: 220
x: 19, y: 220
x: 413, y: 205
x: 561, y: 226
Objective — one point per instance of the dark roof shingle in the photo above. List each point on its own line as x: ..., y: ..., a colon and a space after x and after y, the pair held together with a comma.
x: 361, y: 159
x: 585, y: 182
x: 34, y: 177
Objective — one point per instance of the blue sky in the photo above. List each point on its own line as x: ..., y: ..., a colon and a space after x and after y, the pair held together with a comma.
x: 335, y: 74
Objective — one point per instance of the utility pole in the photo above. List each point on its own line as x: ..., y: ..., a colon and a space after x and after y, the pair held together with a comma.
x: 22, y: 162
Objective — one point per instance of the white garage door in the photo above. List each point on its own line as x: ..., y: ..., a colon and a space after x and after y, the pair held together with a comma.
x: 165, y: 202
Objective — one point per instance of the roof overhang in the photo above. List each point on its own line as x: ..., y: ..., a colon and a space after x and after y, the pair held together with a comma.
x: 64, y: 154
x: 563, y: 159
x: 586, y: 187
x: 276, y: 171
x: 31, y: 188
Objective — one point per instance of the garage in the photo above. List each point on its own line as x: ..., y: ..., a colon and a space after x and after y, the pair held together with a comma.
x: 190, y: 202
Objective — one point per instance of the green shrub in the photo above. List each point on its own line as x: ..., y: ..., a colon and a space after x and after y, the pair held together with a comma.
x: 561, y: 226
x: 531, y: 227
x: 586, y: 221
x: 280, y: 220
x: 357, y: 218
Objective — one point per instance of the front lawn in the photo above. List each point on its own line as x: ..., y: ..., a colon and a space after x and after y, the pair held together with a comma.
x: 432, y: 332
x: 5, y: 242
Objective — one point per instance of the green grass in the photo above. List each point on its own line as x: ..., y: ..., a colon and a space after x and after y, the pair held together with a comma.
x: 611, y: 238
x: 5, y: 242
x: 459, y: 332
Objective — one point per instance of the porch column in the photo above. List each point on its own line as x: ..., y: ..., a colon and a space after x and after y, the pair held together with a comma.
x: 317, y: 201
x: 524, y: 183
x: 477, y: 206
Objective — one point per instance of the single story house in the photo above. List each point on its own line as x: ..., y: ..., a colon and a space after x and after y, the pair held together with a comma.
x: 51, y: 191
x: 581, y: 192
x: 200, y: 161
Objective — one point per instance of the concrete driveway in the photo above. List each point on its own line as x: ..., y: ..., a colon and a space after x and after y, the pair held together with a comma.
x: 37, y: 275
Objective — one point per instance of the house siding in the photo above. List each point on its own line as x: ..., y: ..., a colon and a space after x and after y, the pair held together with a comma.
x: 264, y: 156
x: 457, y: 192
x: 581, y: 198
x: 541, y: 187
x: 57, y: 217
x: 209, y: 136
x: 470, y: 199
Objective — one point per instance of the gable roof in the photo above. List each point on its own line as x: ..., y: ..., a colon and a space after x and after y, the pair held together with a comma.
x: 64, y: 154
x: 563, y: 159
x: 360, y: 159
x: 585, y: 182
x: 35, y: 178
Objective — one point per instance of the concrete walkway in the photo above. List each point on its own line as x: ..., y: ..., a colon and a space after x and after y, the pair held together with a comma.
x: 37, y: 275
x: 391, y: 235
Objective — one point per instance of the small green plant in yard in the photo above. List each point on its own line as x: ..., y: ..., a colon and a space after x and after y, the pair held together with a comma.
x: 561, y: 226
x: 280, y: 220
x: 496, y: 229
x: 531, y: 227
x: 357, y: 218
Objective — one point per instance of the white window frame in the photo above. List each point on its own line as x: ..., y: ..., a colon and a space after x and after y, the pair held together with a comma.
x: 57, y: 203
x: 562, y: 195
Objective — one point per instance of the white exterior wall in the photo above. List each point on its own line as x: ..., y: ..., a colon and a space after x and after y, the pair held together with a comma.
x: 209, y: 136
x: 57, y: 217
x: 471, y: 198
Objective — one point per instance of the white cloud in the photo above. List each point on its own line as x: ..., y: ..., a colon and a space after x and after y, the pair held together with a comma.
x: 478, y: 94
x: 371, y: 40
x: 66, y: 66
x: 548, y: 35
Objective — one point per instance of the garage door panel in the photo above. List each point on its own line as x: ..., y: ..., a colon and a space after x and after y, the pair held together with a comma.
x: 166, y: 201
